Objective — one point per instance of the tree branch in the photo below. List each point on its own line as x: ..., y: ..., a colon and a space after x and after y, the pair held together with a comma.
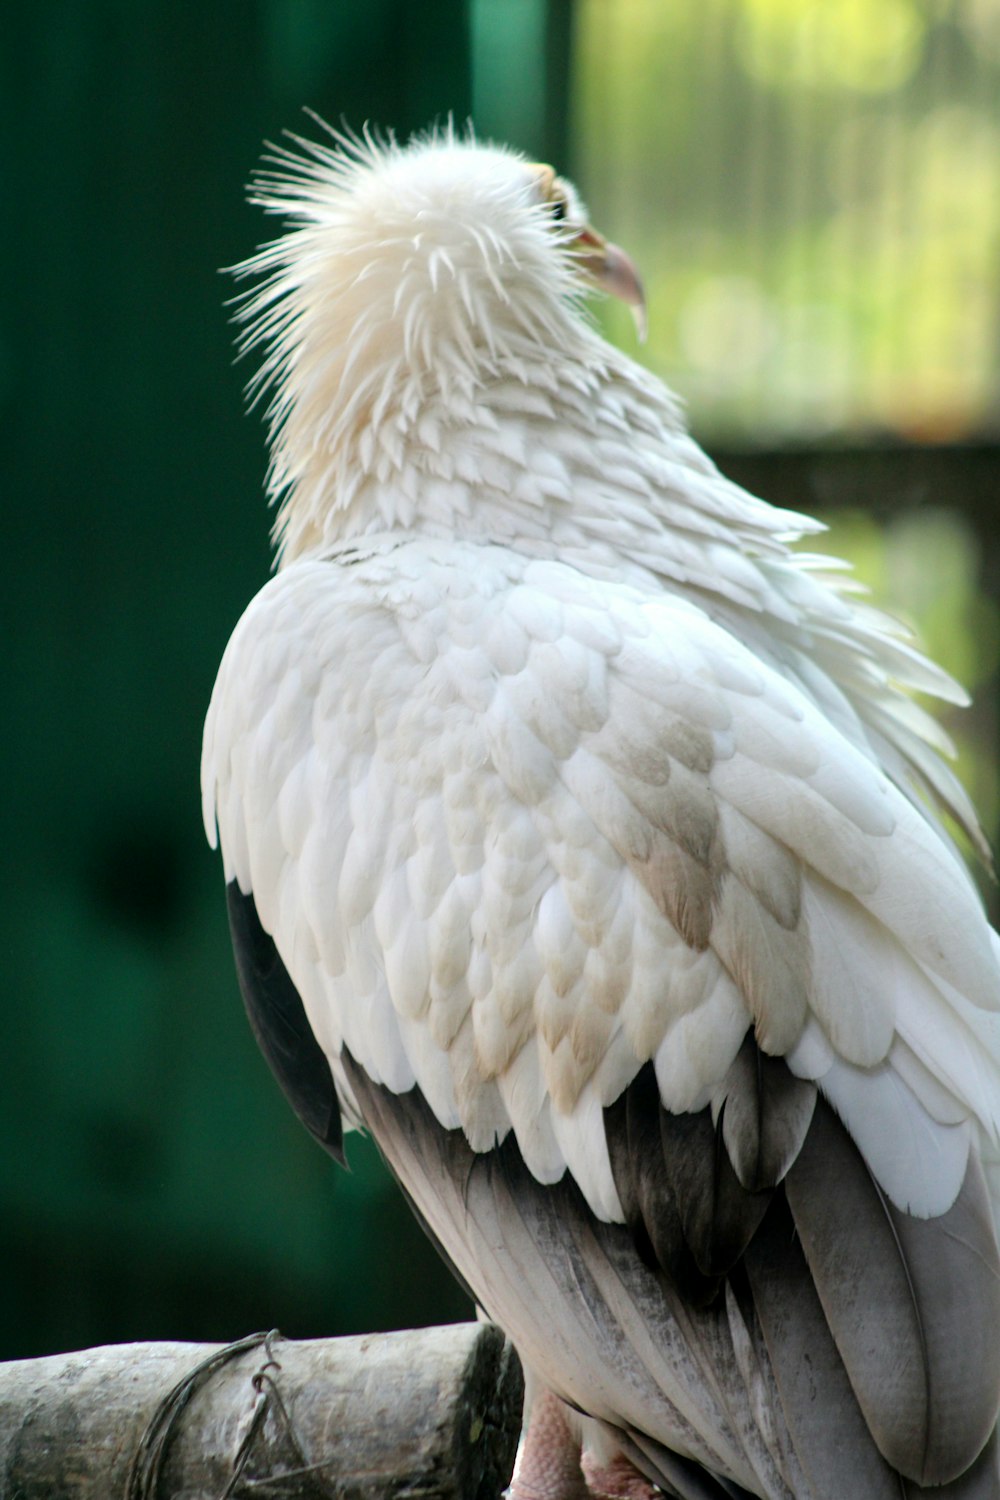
x: 432, y: 1413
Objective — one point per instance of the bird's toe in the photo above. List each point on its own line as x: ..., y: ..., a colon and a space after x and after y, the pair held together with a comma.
x: 617, y: 1480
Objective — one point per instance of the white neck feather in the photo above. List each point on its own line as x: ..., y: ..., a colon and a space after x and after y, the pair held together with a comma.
x: 433, y: 373
x: 433, y: 370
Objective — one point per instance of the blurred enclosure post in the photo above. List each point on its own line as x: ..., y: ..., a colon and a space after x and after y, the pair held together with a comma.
x: 812, y: 189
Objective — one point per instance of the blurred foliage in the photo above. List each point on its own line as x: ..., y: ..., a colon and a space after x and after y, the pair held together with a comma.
x: 812, y: 191
x: 924, y: 568
x: 812, y: 188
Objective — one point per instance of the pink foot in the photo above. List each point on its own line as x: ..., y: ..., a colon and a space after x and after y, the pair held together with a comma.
x: 618, y: 1480
x: 550, y: 1467
x: 548, y: 1462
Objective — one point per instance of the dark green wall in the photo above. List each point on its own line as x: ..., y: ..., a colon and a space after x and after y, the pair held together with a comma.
x: 152, y: 1181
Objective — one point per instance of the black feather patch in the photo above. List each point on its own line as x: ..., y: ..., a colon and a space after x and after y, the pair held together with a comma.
x: 767, y: 1114
x: 632, y: 1126
x: 279, y: 1022
x: 695, y: 1191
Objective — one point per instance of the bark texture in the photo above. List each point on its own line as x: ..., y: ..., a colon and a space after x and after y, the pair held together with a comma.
x: 433, y: 1413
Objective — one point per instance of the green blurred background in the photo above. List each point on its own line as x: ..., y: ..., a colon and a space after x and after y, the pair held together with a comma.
x: 813, y: 190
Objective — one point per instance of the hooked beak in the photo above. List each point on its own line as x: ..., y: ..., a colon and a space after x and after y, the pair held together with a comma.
x: 614, y: 272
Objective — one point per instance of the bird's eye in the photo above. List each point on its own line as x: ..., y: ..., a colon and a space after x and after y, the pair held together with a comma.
x: 558, y: 208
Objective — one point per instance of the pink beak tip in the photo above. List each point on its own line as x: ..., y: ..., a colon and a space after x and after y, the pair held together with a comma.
x: 621, y: 278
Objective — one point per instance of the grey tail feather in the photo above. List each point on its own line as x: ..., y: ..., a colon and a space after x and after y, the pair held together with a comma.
x: 675, y: 1475
x: 901, y: 1312
x: 564, y: 1255
x: 831, y: 1440
x: 981, y: 1482
x: 804, y: 1405
x: 920, y: 1345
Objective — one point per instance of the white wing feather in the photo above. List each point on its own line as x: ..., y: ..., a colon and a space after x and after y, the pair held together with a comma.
x: 546, y: 828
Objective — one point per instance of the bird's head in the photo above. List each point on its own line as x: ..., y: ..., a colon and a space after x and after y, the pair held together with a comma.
x: 411, y: 282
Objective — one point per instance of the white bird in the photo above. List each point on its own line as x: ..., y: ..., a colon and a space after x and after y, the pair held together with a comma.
x: 580, y: 845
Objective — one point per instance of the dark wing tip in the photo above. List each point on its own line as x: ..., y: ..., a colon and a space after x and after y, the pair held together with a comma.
x: 279, y: 1022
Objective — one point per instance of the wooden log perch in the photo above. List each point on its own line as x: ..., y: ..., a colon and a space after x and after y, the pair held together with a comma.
x: 431, y: 1414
